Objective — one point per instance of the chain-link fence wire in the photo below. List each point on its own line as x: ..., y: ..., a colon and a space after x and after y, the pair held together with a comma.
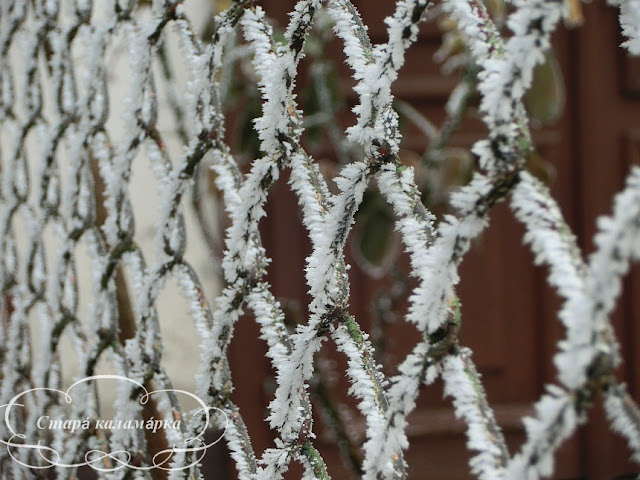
x: 66, y: 173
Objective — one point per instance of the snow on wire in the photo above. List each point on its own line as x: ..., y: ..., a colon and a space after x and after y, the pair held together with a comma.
x: 68, y: 200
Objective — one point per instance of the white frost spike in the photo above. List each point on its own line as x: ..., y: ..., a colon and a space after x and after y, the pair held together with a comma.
x: 312, y: 209
x: 196, y: 297
x: 363, y: 376
x: 269, y: 65
x: 276, y: 462
x: 285, y: 408
x: 269, y: 315
x: 617, y: 245
x: 347, y: 21
x: 556, y: 419
x: 321, y: 274
x: 375, y: 69
x: 553, y: 244
x: 624, y: 417
x: 242, y: 253
x: 460, y: 384
x: 400, y: 190
x: 235, y: 443
x: 630, y: 23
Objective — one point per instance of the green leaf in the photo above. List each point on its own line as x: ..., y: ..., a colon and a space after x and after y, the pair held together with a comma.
x: 374, y: 236
x: 546, y: 98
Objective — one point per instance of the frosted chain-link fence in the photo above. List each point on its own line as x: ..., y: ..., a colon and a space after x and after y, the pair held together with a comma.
x: 65, y: 175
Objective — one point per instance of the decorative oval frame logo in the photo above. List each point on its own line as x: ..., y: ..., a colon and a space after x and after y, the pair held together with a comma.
x: 94, y: 456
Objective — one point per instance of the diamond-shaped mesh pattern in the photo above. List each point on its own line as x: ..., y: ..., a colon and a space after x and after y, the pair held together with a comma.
x: 66, y: 175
